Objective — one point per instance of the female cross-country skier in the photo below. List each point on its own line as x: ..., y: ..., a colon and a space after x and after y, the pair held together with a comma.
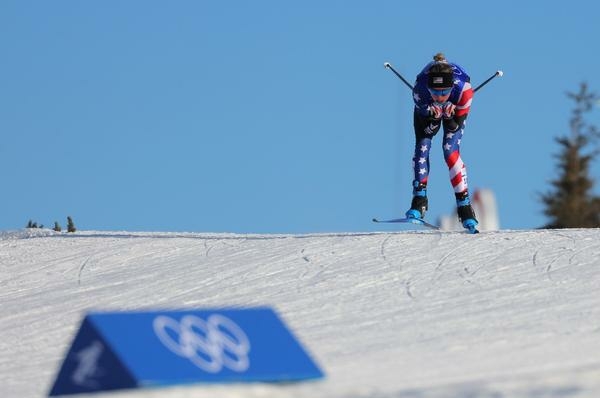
x: 442, y: 96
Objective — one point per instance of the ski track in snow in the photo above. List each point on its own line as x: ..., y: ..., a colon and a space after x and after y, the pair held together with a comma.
x: 399, y: 315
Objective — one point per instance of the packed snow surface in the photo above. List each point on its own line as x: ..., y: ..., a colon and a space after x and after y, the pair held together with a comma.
x: 408, y: 314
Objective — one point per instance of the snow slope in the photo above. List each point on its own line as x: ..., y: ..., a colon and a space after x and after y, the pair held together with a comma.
x: 406, y: 314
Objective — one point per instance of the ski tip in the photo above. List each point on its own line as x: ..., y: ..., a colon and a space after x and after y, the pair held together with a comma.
x: 416, y: 221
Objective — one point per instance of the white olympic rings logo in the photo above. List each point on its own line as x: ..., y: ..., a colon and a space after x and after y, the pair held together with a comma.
x: 211, y: 345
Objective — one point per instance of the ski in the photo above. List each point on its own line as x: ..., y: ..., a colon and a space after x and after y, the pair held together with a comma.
x: 416, y: 221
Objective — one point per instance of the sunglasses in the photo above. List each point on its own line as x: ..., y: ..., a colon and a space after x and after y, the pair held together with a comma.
x: 440, y: 93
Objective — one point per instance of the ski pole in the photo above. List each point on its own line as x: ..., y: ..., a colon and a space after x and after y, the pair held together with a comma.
x: 498, y: 73
x: 390, y: 67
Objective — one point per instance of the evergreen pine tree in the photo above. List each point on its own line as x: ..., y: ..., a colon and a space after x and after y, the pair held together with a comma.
x: 34, y: 224
x: 570, y: 203
x: 70, y: 225
x: 57, y: 227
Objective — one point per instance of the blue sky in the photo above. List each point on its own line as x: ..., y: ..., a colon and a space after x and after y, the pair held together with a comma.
x: 272, y: 116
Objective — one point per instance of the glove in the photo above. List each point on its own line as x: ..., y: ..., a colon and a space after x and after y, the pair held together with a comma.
x: 435, y: 111
x: 448, y: 110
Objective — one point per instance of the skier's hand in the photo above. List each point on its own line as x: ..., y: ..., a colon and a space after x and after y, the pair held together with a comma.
x: 448, y: 110
x: 435, y: 111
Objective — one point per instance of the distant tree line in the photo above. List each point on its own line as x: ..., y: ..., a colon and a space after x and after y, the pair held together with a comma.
x: 571, y: 202
x: 70, y: 225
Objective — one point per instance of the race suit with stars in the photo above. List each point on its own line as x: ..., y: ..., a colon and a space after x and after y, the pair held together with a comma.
x: 427, y: 127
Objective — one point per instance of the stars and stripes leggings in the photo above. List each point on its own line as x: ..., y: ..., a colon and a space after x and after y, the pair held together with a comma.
x: 425, y: 130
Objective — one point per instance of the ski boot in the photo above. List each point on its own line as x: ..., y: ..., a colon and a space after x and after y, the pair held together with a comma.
x: 419, y: 203
x: 466, y: 215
